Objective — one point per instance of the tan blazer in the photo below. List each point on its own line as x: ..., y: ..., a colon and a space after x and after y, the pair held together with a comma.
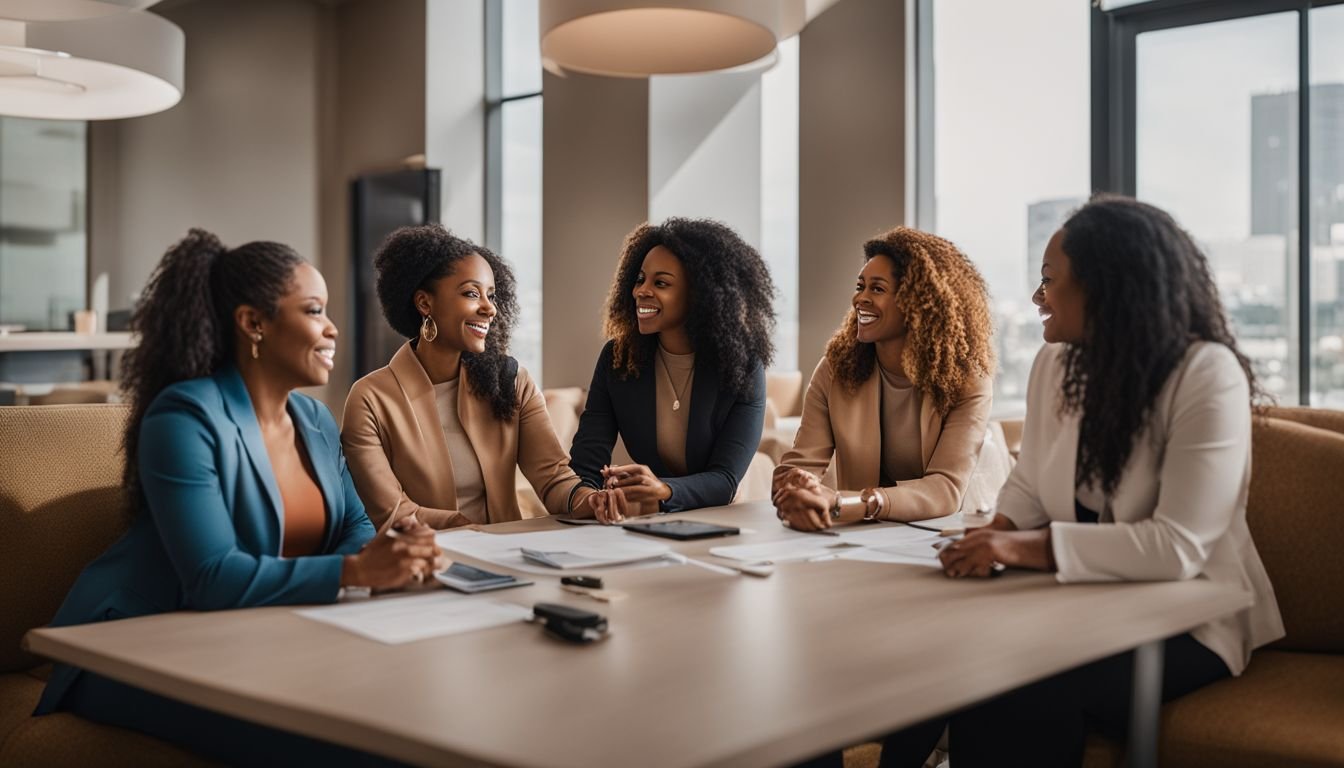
x: 847, y: 426
x: 1180, y: 509
x: 399, y: 458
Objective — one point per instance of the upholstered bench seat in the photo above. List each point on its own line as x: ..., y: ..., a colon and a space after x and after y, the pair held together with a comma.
x: 59, y: 740
x: 1287, y: 708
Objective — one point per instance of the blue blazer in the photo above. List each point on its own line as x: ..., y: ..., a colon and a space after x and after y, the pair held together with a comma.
x: 209, y: 533
x: 722, y: 435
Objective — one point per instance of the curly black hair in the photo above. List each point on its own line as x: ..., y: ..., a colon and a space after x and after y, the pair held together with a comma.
x: 415, y: 258
x: 185, y: 319
x: 732, y: 311
x: 1149, y: 296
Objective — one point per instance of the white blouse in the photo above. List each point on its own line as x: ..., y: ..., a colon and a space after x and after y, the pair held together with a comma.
x: 1179, y: 510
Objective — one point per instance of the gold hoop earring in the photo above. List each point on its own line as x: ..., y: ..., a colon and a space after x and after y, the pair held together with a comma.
x: 429, y: 330
x: 256, y: 339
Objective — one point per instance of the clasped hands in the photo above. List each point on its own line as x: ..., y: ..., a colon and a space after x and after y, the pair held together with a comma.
x: 624, y: 488
x: 801, y: 501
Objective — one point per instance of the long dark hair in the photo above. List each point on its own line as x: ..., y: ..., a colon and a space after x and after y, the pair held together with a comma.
x: 413, y: 259
x: 1149, y: 296
x: 946, y: 307
x: 185, y: 318
x: 732, y: 309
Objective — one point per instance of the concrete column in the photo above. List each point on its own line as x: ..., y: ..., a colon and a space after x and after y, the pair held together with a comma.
x: 852, y: 161
x: 595, y: 184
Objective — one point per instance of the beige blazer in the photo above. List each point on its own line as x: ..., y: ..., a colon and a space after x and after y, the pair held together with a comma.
x: 847, y: 426
x: 399, y: 458
x: 1180, y: 508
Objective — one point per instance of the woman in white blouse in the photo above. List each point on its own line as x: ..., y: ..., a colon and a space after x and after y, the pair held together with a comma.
x: 1135, y: 465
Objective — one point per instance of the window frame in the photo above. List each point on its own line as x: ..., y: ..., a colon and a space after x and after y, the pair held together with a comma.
x: 1114, y: 114
x: 495, y: 99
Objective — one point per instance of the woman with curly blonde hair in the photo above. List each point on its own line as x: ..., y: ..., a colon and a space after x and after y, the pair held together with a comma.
x: 901, y: 399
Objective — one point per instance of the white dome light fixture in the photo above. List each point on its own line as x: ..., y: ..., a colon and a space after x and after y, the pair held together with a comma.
x: 125, y: 64
x: 67, y: 10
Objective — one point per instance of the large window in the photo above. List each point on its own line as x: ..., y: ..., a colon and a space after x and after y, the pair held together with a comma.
x: 42, y: 225
x: 1205, y: 116
x: 1006, y: 155
x: 1327, y: 206
x: 513, y: 173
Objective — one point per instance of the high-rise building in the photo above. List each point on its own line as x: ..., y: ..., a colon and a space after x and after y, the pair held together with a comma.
x: 1274, y: 157
x: 1044, y: 217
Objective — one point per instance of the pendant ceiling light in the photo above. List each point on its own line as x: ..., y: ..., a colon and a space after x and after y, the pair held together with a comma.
x: 124, y: 64
x: 621, y: 38
x: 67, y: 10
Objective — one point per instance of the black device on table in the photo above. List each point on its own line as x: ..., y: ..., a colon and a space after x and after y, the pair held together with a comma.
x: 682, y: 530
x: 570, y: 624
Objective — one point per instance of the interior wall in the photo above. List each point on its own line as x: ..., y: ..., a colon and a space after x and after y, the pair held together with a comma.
x: 237, y: 156
x: 704, y: 149
x: 852, y: 162
x: 377, y: 120
x: 286, y: 101
x: 595, y: 184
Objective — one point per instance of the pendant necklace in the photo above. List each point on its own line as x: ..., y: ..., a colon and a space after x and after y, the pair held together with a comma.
x: 667, y: 371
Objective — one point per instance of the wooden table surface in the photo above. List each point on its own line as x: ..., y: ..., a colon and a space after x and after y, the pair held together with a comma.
x: 701, y: 669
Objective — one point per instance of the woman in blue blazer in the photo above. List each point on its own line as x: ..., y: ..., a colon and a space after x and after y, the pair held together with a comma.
x: 243, y: 494
x: 682, y: 379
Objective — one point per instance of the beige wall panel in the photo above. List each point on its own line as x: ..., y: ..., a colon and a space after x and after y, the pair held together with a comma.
x: 851, y: 155
x: 595, y: 183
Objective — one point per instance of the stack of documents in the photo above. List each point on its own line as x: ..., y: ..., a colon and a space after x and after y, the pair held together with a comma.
x: 400, y: 619
x: 547, y: 551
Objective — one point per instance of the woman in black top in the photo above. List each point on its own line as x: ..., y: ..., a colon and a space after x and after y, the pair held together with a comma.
x: 681, y: 379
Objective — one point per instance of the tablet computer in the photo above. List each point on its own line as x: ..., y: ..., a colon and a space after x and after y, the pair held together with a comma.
x: 682, y: 530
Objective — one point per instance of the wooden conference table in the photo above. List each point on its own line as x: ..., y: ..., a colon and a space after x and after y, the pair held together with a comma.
x: 701, y: 669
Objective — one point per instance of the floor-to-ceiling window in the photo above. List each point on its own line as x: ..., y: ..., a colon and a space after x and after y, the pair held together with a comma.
x: 1206, y: 117
x: 513, y: 194
x: 1005, y: 157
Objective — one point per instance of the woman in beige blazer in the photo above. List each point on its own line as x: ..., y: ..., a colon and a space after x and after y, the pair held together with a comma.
x: 1134, y: 466
x: 901, y: 399
x: 439, y: 431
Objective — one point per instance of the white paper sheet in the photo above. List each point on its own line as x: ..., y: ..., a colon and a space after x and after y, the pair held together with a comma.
x: 901, y: 554
x: 958, y: 520
x: 395, y: 620
x: 601, y: 547
x: 885, y: 535
x: 790, y: 550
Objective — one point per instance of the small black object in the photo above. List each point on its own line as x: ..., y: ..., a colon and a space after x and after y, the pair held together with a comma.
x: 682, y: 530
x: 587, y: 582
x: 570, y: 624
